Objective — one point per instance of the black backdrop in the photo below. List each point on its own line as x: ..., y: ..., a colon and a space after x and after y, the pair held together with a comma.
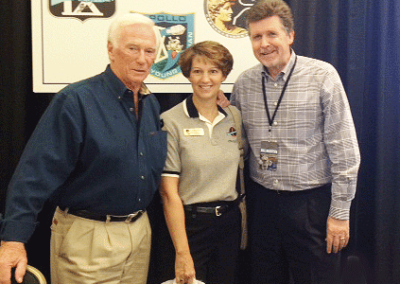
x: 359, y: 37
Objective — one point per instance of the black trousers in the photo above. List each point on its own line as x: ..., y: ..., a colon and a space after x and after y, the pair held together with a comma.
x: 287, y: 236
x: 214, y: 243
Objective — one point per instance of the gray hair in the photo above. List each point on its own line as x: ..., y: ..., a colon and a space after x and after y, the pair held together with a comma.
x: 114, y: 31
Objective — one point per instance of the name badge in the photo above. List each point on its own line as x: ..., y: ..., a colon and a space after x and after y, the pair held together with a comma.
x: 269, y: 155
x: 193, y: 131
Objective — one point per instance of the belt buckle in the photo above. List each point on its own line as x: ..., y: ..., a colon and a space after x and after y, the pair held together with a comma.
x: 217, y: 213
x: 131, y: 216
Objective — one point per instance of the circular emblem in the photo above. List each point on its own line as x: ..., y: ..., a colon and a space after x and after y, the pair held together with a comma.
x: 226, y: 17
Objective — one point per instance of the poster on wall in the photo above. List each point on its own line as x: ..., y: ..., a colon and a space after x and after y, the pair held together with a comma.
x: 69, y: 38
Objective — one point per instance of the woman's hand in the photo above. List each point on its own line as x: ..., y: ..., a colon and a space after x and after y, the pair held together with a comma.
x: 184, y: 268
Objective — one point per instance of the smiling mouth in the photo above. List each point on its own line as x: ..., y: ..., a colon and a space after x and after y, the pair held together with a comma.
x: 268, y: 53
x: 205, y: 87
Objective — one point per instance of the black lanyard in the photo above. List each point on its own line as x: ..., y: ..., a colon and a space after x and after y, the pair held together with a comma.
x: 271, y: 120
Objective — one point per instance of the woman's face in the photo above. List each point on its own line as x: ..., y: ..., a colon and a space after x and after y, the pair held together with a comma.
x: 206, y: 78
x: 225, y: 13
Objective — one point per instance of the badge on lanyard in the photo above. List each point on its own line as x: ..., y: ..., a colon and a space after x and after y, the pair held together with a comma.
x: 269, y: 155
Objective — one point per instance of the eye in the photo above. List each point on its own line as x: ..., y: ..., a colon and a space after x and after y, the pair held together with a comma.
x: 151, y: 52
x: 272, y: 34
x: 134, y: 49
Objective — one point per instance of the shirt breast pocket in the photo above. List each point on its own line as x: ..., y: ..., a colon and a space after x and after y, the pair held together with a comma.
x: 157, y: 150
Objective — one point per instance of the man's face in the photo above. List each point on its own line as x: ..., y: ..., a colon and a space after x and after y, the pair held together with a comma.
x: 271, y: 43
x: 131, y: 58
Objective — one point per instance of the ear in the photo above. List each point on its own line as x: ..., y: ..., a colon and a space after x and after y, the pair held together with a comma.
x: 291, y: 38
x: 110, y: 49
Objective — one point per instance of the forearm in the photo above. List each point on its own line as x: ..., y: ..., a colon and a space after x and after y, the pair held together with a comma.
x: 341, y: 143
x: 175, y: 219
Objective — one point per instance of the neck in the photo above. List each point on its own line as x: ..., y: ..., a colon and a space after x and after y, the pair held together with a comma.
x: 274, y: 72
x: 207, y: 108
x: 134, y: 87
x: 224, y: 26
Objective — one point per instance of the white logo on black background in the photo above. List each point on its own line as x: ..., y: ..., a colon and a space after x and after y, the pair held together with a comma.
x: 82, y: 10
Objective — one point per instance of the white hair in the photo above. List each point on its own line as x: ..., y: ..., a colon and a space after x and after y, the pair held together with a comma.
x: 114, y: 31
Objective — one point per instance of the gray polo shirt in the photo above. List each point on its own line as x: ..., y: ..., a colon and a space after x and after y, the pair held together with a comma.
x: 203, y: 155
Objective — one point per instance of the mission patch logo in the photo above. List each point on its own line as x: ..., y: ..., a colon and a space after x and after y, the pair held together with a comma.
x: 177, y: 34
x: 227, y: 17
x: 82, y: 10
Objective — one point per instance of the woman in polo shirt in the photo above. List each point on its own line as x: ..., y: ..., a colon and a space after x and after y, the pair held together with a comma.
x: 198, y: 185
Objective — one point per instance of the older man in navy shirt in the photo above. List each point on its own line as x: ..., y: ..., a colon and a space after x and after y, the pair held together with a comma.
x: 99, y: 151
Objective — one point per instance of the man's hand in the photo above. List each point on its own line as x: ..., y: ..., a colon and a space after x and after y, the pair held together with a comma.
x: 337, y: 234
x: 12, y: 254
x: 222, y: 100
x: 184, y: 268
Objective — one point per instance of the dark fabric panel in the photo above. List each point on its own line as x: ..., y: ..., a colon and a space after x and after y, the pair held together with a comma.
x: 384, y: 85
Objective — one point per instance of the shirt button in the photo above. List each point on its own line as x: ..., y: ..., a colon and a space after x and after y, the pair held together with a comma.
x: 119, y: 98
x: 276, y: 84
x: 141, y: 154
x: 276, y: 103
x: 275, y: 123
x: 276, y: 182
x: 142, y: 177
x: 131, y: 109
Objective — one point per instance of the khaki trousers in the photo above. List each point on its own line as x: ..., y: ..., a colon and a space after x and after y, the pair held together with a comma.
x: 87, y: 251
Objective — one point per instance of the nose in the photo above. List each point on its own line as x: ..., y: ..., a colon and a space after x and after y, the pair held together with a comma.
x: 264, y: 42
x: 141, y: 57
x: 205, y: 78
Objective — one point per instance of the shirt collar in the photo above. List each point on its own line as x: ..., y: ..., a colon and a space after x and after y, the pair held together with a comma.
x: 191, y: 111
x: 119, y: 87
x: 285, y: 71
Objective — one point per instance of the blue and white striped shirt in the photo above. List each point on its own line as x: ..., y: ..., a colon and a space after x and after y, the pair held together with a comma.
x: 313, y: 127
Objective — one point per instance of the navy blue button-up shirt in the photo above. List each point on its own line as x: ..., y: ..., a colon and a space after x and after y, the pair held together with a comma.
x: 88, y: 151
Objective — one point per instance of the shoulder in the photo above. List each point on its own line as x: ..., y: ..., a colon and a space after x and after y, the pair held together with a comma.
x: 238, y: 31
x: 172, y: 112
x: 233, y: 109
x: 174, y: 115
x: 153, y: 103
x: 314, y: 66
x: 80, y: 89
x: 250, y: 74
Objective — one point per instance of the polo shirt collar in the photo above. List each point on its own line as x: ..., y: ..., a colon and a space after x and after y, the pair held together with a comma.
x: 191, y: 110
x: 119, y: 87
x: 285, y: 71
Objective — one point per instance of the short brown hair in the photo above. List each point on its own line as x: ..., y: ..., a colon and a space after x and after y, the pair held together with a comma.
x: 268, y: 8
x: 214, y: 51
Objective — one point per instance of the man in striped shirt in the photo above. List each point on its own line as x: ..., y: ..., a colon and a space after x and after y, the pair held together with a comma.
x: 303, y: 159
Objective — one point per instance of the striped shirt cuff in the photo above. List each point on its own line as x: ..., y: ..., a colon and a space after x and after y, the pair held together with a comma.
x: 340, y: 213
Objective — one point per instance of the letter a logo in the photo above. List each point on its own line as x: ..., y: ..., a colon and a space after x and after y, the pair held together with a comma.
x: 82, y: 10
